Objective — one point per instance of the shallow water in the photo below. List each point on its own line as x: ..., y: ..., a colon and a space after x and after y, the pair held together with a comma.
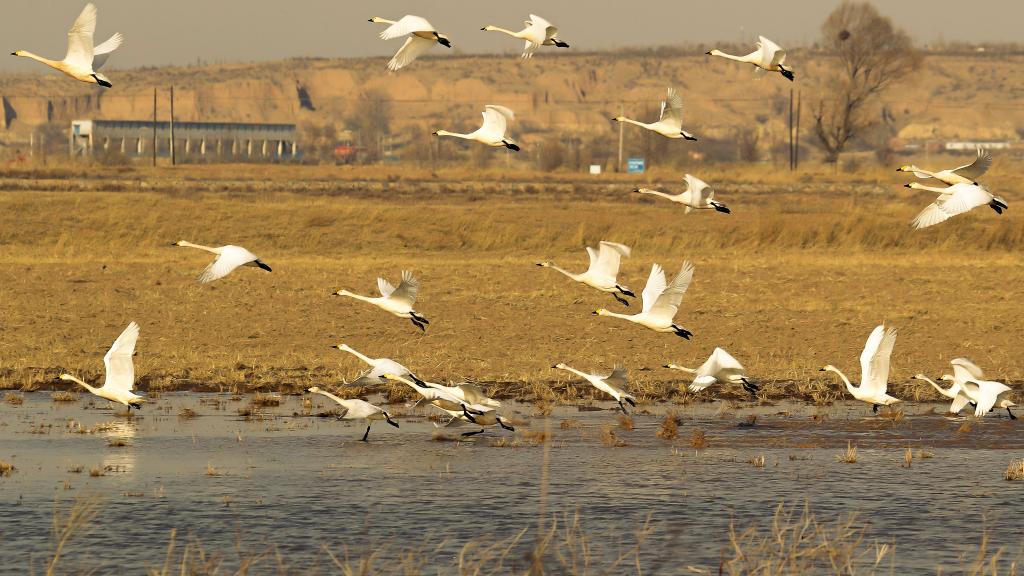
x: 304, y: 483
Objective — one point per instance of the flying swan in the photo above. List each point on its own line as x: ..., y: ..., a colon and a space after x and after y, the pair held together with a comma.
x: 874, y: 369
x: 603, y: 271
x: 398, y: 301
x: 538, y: 32
x: 422, y: 35
x: 120, y: 370
x: 957, y: 199
x: 768, y: 57
x: 378, y: 368
x: 966, y: 174
x: 661, y: 301
x: 720, y: 367
x: 612, y: 384
x: 83, y: 60
x: 228, y: 258
x: 670, y: 123
x: 963, y: 370
x: 987, y: 394
x: 492, y: 132
x: 697, y: 196
x: 356, y: 409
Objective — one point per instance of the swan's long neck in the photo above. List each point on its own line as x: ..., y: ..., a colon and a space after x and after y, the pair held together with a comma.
x: 200, y: 246
x: 566, y: 272
x: 51, y: 63
x: 331, y: 396
x: 576, y: 372
x: 356, y: 296
x: 941, y: 390
x: 730, y: 56
x: 509, y: 32
x: 362, y: 357
x: 617, y: 315
x: 82, y: 384
x: 684, y: 369
x: 655, y: 193
x: 631, y: 121
x: 378, y: 20
x: 931, y: 189
x: 846, y: 380
x: 455, y: 134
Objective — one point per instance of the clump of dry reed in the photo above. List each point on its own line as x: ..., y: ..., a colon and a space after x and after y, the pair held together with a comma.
x: 264, y: 400
x: 1015, y: 471
x: 64, y: 396
x: 187, y: 414
x: 908, y: 458
x: 14, y: 399
x: 609, y: 438
x: 626, y: 422
x: 6, y: 468
x: 849, y: 456
x: 757, y: 461
x: 698, y: 439
x: 669, y: 428
x: 569, y: 423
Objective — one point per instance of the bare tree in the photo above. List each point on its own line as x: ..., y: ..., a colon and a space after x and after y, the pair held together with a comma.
x: 371, y: 120
x: 871, y: 55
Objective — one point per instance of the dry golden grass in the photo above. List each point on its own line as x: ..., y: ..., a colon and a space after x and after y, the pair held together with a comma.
x: 187, y: 414
x: 14, y: 399
x: 64, y: 396
x: 6, y: 468
x: 908, y: 458
x: 698, y: 439
x: 626, y: 422
x: 811, y: 262
x: 669, y: 428
x: 610, y: 438
x: 849, y: 456
x: 757, y: 461
x: 264, y: 400
x: 1015, y: 471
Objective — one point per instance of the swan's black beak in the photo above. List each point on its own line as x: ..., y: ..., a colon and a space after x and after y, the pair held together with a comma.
x: 708, y: 53
x: 907, y: 186
x: 821, y: 369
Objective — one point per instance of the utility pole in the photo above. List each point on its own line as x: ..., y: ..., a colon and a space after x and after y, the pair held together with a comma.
x: 154, y: 126
x: 792, y: 150
x: 796, y: 154
x: 622, y: 112
x: 173, y: 158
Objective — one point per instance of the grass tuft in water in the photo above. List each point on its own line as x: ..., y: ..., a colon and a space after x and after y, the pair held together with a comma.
x: 849, y: 456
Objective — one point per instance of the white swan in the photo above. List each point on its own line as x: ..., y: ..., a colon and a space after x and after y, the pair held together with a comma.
x: 987, y: 394
x: 720, y: 367
x: 670, y: 122
x: 603, y: 271
x: 378, y: 368
x: 356, y: 409
x: 83, y: 60
x: 120, y: 371
x: 660, y: 302
x: 422, y: 35
x: 966, y: 174
x: 398, y: 301
x: 492, y: 132
x: 538, y: 32
x: 963, y: 370
x: 768, y: 57
x: 442, y: 398
x: 874, y: 369
x: 612, y: 384
x: 697, y: 196
x: 470, y: 394
x: 490, y: 418
x: 228, y: 258
x: 956, y: 199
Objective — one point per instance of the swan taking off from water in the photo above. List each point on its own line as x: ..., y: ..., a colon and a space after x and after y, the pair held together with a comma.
x: 356, y: 409
x: 603, y: 271
x: 987, y: 394
x: 874, y: 369
x: 439, y: 396
x: 398, y: 301
x: 661, y: 301
x: 698, y: 196
x: 720, y: 367
x: 489, y: 418
x: 538, y: 32
x: 228, y: 258
x: 379, y: 367
x: 422, y: 36
x: 670, y: 123
x: 768, y: 57
x: 83, y: 60
x: 963, y: 370
x: 470, y: 394
x: 956, y: 199
x: 613, y: 384
x: 966, y: 174
x: 120, y: 370
x: 492, y: 132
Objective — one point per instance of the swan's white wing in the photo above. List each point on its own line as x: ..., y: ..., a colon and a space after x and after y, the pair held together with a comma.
x: 617, y: 378
x: 231, y: 257
x: 958, y: 403
x: 406, y: 25
x: 700, y: 191
x: 964, y: 369
x: 669, y: 301
x: 407, y: 289
x: 609, y: 257
x: 413, y: 48
x: 725, y: 361
x: 80, y: 38
x: 504, y: 111
x: 975, y: 169
x: 672, y: 109
x: 964, y: 198
x: 771, y: 53
x: 874, y: 360
x: 101, y: 53
x: 702, y: 382
x: 384, y: 287
x: 655, y: 286
x: 496, y: 120
x: 529, y: 48
x: 930, y: 216
x: 542, y: 24
x: 118, y: 360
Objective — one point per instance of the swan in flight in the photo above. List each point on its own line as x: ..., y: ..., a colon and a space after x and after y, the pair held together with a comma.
x: 661, y: 301
x: 966, y: 174
x: 603, y: 271
x: 120, y: 370
x: 720, y: 367
x: 228, y: 258
x: 356, y: 409
x: 698, y: 196
x: 378, y: 368
x: 612, y: 384
x: 441, y: 398
x: 874, y: 369
x: 492, y: 132
x: 398, y: 301
x: 957, y: 199
x: 470, y: 394
x: 538, y: 32
x: 489, y: 418
x: 83, y: 60
x: 422, y: 36
x: 670, y: 123
x: 987, y: 394
x: 963, y: 370
x: 768, y: 57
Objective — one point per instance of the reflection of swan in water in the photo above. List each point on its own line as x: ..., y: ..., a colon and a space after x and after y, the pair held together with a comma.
x: 120, y: 452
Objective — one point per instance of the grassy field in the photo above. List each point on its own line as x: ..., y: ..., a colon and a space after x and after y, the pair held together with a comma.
x: 796, y: 277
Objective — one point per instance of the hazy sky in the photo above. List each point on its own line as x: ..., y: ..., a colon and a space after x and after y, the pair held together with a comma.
x: 160, y: 32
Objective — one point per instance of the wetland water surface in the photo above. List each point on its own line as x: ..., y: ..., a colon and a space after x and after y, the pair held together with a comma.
x: 303, y: 483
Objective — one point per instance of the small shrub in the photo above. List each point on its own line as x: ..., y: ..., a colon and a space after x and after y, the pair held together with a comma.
x: 698, y: 439
x: 64, y: 396
x: 850, y: 456
x: 669, y: 427
x: 1015, y: 471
